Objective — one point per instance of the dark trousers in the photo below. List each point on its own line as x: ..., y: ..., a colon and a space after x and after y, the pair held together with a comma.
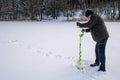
x: 100, y: 53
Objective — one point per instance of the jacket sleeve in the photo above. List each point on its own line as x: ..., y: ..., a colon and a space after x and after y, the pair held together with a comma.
x: 87, y: 30
x: 91, y: 23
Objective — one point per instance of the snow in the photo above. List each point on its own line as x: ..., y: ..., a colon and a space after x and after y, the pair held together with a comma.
x: 49, y: 51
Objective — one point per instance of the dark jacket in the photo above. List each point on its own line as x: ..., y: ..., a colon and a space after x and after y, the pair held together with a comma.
x: 97, y: 28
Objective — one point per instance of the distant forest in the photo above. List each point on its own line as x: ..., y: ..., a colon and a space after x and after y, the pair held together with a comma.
x: 44, y: 9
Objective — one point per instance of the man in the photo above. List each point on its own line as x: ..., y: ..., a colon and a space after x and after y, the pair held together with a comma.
x: 100, y: 35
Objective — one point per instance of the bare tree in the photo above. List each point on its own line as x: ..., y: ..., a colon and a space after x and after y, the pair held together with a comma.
x: 36, y: 9
x: 118, y: 9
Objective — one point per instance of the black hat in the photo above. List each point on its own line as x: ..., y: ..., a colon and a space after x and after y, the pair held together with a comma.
x: 88, y: 12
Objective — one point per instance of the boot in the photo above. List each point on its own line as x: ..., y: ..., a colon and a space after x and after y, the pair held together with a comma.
x: 94, y: 65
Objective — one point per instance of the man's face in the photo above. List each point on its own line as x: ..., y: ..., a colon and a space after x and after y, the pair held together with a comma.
x: 88, y: 18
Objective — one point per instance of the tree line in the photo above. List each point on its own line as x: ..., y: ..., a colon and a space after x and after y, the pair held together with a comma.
x: 45, y: 9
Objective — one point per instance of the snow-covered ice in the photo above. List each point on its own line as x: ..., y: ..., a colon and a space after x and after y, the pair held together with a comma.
x: 49, y: 51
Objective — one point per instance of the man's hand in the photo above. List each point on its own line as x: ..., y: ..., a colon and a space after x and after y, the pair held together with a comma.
x: 83, y: 30
x: 77, y: 23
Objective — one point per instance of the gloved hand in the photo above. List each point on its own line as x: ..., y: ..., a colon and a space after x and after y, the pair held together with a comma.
x: 83, y: 30
x: 77, y: 23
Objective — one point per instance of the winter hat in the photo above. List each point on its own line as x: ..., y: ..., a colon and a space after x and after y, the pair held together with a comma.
x: 88, y: 12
